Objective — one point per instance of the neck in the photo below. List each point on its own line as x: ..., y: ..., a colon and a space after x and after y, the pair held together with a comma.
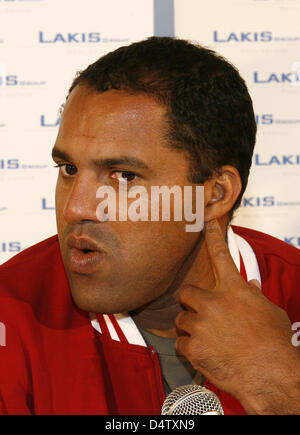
x: 158, y: 317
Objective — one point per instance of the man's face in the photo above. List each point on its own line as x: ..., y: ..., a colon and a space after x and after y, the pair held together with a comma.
x: 107, y: 138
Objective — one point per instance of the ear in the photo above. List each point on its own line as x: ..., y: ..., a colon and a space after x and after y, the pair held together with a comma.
x: 220, y: 192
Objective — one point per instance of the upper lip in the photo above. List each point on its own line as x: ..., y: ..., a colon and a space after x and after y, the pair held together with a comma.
x: 82, y: 243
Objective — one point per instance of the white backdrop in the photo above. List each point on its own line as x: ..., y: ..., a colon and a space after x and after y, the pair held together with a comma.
x: 262, y: 38
x: 43, y: 43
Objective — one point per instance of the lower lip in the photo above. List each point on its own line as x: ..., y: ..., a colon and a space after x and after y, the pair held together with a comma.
x: 85, y: 263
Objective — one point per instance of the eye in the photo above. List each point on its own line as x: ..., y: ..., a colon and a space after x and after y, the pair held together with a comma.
x: 124, y: 176
x: 66, y: 169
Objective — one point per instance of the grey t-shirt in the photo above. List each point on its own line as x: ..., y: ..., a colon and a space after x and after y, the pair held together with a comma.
x: 176, y: 369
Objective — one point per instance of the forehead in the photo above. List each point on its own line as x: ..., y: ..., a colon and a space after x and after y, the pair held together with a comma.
x: 114, y: 123
x: 112, y: 114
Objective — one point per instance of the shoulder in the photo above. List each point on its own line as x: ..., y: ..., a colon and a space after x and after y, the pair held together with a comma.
x: 30, y: 270
x: 34, y: 290
x: 33, y: 255
x: 35, y: 264
x: 269, y: 246
x: 279, y: 265
x: 32, y: 277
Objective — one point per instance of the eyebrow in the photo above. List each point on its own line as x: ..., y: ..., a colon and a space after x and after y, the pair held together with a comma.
x: 128, y: 161
x: 56, y: 153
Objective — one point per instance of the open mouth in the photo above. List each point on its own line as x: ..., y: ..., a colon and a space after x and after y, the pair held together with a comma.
x: 85, y: 255
x: 85, y: 260
x: 86, y: 251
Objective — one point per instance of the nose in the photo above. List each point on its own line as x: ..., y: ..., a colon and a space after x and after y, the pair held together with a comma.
x: 81, y: 202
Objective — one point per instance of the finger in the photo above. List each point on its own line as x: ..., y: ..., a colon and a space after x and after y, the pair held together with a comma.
x: 192, y: 297
x: 255, y: 284
x: 186, y: 321
x: 182, y: 345
x: 223, y: 265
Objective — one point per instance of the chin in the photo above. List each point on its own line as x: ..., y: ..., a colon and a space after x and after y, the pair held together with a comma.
x: 95, y: 304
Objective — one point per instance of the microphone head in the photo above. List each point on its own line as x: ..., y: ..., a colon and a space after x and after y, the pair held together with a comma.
x: 192, y: 400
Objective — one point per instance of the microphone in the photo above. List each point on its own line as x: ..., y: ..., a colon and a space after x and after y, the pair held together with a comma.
x: 192, y: 400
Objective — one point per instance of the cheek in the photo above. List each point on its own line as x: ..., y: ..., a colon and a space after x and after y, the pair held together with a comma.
x: 155, y: 247
x: 152, y: 258
x: 60, y: 200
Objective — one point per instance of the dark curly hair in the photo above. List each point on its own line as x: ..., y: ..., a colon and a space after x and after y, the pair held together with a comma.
x: 209, y: 108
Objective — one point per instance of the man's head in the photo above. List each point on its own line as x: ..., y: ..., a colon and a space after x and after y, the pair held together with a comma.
x: 158, y: 112
x: 209, y: 110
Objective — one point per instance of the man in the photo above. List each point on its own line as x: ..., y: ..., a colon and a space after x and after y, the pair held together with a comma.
x: 160, y: 112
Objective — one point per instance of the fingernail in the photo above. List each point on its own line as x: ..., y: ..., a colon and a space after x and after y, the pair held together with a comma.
x: 255, y: 282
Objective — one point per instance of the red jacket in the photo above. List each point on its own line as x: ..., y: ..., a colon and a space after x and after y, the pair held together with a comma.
x: 55, y: 362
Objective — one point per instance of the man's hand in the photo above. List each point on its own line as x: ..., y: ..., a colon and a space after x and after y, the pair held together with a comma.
x: 237, y: 338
